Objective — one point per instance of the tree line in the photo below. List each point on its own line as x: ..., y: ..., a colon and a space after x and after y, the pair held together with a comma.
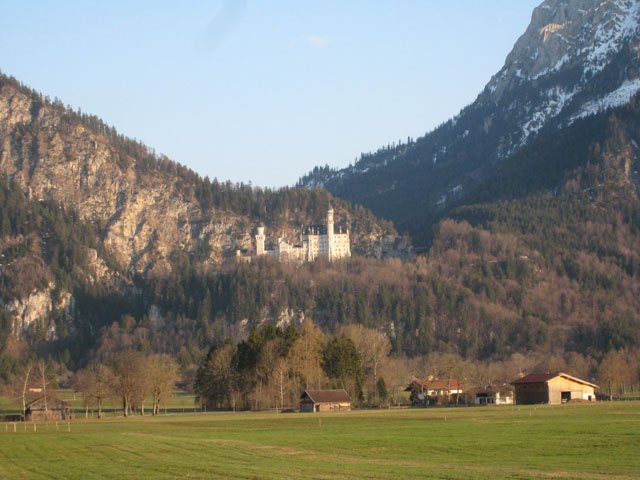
x: 129, y: 376
x: 274, y: 366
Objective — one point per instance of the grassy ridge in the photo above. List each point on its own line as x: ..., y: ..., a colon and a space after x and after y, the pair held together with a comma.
x: 582, y: 441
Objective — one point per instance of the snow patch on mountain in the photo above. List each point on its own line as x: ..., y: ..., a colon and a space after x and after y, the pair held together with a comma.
x: 555, y: 102
x: 617, y: 98
x: 559, y: 39
x: 611, y: 32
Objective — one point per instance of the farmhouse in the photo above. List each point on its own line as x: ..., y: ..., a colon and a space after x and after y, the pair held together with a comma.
x: 492, y: 396
x: 325, y: 401
x: 552, y: 388
x: 55, y: 410
x: 427, y: 392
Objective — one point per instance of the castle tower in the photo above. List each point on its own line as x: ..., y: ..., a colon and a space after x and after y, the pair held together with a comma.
x: 330, y: 232
x: 260, y: 242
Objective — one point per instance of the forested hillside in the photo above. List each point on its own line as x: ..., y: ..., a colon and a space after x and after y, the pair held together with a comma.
x: 146, y: 207
x: 550, y: 273
x: 52, y: 267
x: 526, y: 268
x: 92, y: 221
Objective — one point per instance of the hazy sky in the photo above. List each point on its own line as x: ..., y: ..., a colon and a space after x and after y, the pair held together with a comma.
x: 257, y: 90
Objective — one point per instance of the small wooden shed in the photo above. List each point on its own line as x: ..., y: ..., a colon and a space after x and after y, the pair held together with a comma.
x: 325, y: 401
x: 56, y: 409
x: 552, y: 388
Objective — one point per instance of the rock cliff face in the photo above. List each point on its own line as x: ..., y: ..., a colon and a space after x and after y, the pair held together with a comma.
x: 146, y: 215
x: 30, y: 311
x: 32, y: 315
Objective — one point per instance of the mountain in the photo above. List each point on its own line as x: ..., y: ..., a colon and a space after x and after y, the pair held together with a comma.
x: 91, y: 219
x: 148, y: 208
x: 577, y: 58
x: 533, y: 226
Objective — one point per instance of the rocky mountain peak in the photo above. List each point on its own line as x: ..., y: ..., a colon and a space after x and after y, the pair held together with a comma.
x: 576, y: 58
x: 564, y: 34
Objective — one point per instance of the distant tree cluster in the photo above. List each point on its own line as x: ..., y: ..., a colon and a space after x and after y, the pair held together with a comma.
x: 273, y: 367
x: 131, y: 377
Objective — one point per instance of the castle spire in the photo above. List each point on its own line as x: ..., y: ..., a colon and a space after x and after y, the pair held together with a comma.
x: 260, y: 237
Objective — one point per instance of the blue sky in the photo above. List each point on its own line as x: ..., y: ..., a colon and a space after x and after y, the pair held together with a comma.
x: 262, y: 91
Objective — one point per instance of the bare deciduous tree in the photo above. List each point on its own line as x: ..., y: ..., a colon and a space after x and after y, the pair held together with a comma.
x: 18, y: 384
x: 373, y: 347
x: 143, y: 388
x: 163, y: 375
x: 271, y: 371
x: 127, y: 367
x: 616, y: 372
x: 42, y: 383
x: 96, y: 382
x: 305, y: 357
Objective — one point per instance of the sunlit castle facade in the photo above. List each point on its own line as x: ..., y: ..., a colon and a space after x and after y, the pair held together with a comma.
x: 315, y: 241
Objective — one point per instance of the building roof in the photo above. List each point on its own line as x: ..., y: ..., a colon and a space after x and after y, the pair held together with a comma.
x: 443, y: 384
x: 314, y: 230
x: 322, y: 229
x: 52, y: 404
x: 545, y: 377
x: 505, y: 390
x: 450, y: 384
x: 327, y: 396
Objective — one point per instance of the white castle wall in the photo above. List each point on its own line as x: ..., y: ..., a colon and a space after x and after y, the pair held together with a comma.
x: 332, y: 245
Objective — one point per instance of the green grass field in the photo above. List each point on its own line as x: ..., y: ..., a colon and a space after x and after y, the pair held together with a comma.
x: 582, y: 441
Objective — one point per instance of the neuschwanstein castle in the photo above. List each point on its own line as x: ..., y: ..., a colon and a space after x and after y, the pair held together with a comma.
x: 316, y: 241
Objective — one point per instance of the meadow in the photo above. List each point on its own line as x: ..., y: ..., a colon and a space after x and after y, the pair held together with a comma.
x: 569, y: 441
